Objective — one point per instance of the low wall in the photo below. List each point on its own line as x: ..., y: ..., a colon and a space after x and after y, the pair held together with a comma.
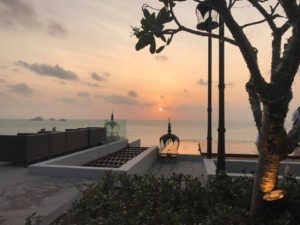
x: 57, y: 143
x: 13, y: 148
x: 37, y: 147
x: 26, y: 148
x: 71, y: 165
x: 241, y: 167
x: 76, y: 139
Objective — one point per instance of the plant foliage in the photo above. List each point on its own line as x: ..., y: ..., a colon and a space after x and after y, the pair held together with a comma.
x: 179, y: 199
x: 152, y: 25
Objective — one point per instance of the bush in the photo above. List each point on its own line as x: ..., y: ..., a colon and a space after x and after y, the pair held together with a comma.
x: 179, y: 199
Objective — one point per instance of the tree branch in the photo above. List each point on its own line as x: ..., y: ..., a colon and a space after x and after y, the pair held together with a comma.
x: 232, y: 3
x: 255, y: 104
x: 276, y: 48
x: 200, y: 33
x: 253, y: 23
x: 291, y: 10
x: 289, y: 63
x: 265, y: 14
x: 260, y: 21
x: 276, y: 52
x: 245, y: 46
x: 205, y: 34
x: 284, y: 28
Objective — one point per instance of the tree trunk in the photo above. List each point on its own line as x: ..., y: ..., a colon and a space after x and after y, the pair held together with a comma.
x: 272, y: 148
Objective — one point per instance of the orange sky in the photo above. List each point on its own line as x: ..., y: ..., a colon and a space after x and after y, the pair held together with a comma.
x: 76, y: 59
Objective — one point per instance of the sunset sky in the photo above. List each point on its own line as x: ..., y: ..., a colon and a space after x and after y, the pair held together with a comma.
x: 76, y: 59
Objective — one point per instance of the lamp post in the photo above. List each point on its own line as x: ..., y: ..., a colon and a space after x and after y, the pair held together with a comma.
x: 221, y: 126
x: 207, y: 21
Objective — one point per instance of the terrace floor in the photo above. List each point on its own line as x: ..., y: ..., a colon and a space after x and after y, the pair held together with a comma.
x: 22, y: 194
x: 184, y: 164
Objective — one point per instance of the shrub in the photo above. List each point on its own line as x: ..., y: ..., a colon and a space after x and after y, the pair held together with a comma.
x: 178, y: 199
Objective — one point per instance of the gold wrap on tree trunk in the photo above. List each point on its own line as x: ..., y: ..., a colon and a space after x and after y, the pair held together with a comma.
x: 272, y: 147
x: 268, y: 167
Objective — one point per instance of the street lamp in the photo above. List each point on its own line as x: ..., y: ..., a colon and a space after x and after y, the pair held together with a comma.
x: 208, y: 21
x: 207, y: 16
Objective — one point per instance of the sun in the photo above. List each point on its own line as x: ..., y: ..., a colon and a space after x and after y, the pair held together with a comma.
x: 160, y: 109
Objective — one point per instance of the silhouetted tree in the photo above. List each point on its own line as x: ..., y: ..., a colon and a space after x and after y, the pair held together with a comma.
x: 269, y: 100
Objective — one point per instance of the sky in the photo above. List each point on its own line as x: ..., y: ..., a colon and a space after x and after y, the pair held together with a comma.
x: 77, y: 59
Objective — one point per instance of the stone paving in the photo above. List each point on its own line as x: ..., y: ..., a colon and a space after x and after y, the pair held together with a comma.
x: 22, y: 194
x: 188, y: 165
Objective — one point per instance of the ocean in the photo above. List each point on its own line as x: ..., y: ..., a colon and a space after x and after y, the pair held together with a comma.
x: 240, y: 136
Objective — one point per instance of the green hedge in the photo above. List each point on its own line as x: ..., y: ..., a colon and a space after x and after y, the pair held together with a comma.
x: 179, y: 199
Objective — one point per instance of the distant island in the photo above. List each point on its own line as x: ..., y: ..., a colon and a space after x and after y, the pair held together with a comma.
x: 62, y: 120
x: 38, y: 118
x: 52, y: 119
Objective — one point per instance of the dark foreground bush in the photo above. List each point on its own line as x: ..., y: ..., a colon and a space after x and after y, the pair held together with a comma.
x: 179, y: 199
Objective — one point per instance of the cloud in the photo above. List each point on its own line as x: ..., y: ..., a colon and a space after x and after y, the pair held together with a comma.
x: 56, y: 29
x: 17, y: 12
x: 84, y: 94
x: 67, y: 100
x: 49, y: 70
x: 162, y: 58
x: 92, y: 85
x: 16, y: 70
x: 202, y: 82
x: 121, y: 100
x: 21, y: 88
x: 132, y: 94
x: 149, y: 104
x: 188, y: 108
x: 97, y: 77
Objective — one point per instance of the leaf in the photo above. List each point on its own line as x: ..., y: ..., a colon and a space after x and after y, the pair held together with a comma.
x: 146, y: 13
x: 159, y: 50
x: 141, y: 33
x: 145, y: 24
x: 152, y: 45
x: 157, y: 28
x: 169, y: 41
x: 163, y: 16
x: 143, y: 41
x: 152, y: 18
x: 161, y: 36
